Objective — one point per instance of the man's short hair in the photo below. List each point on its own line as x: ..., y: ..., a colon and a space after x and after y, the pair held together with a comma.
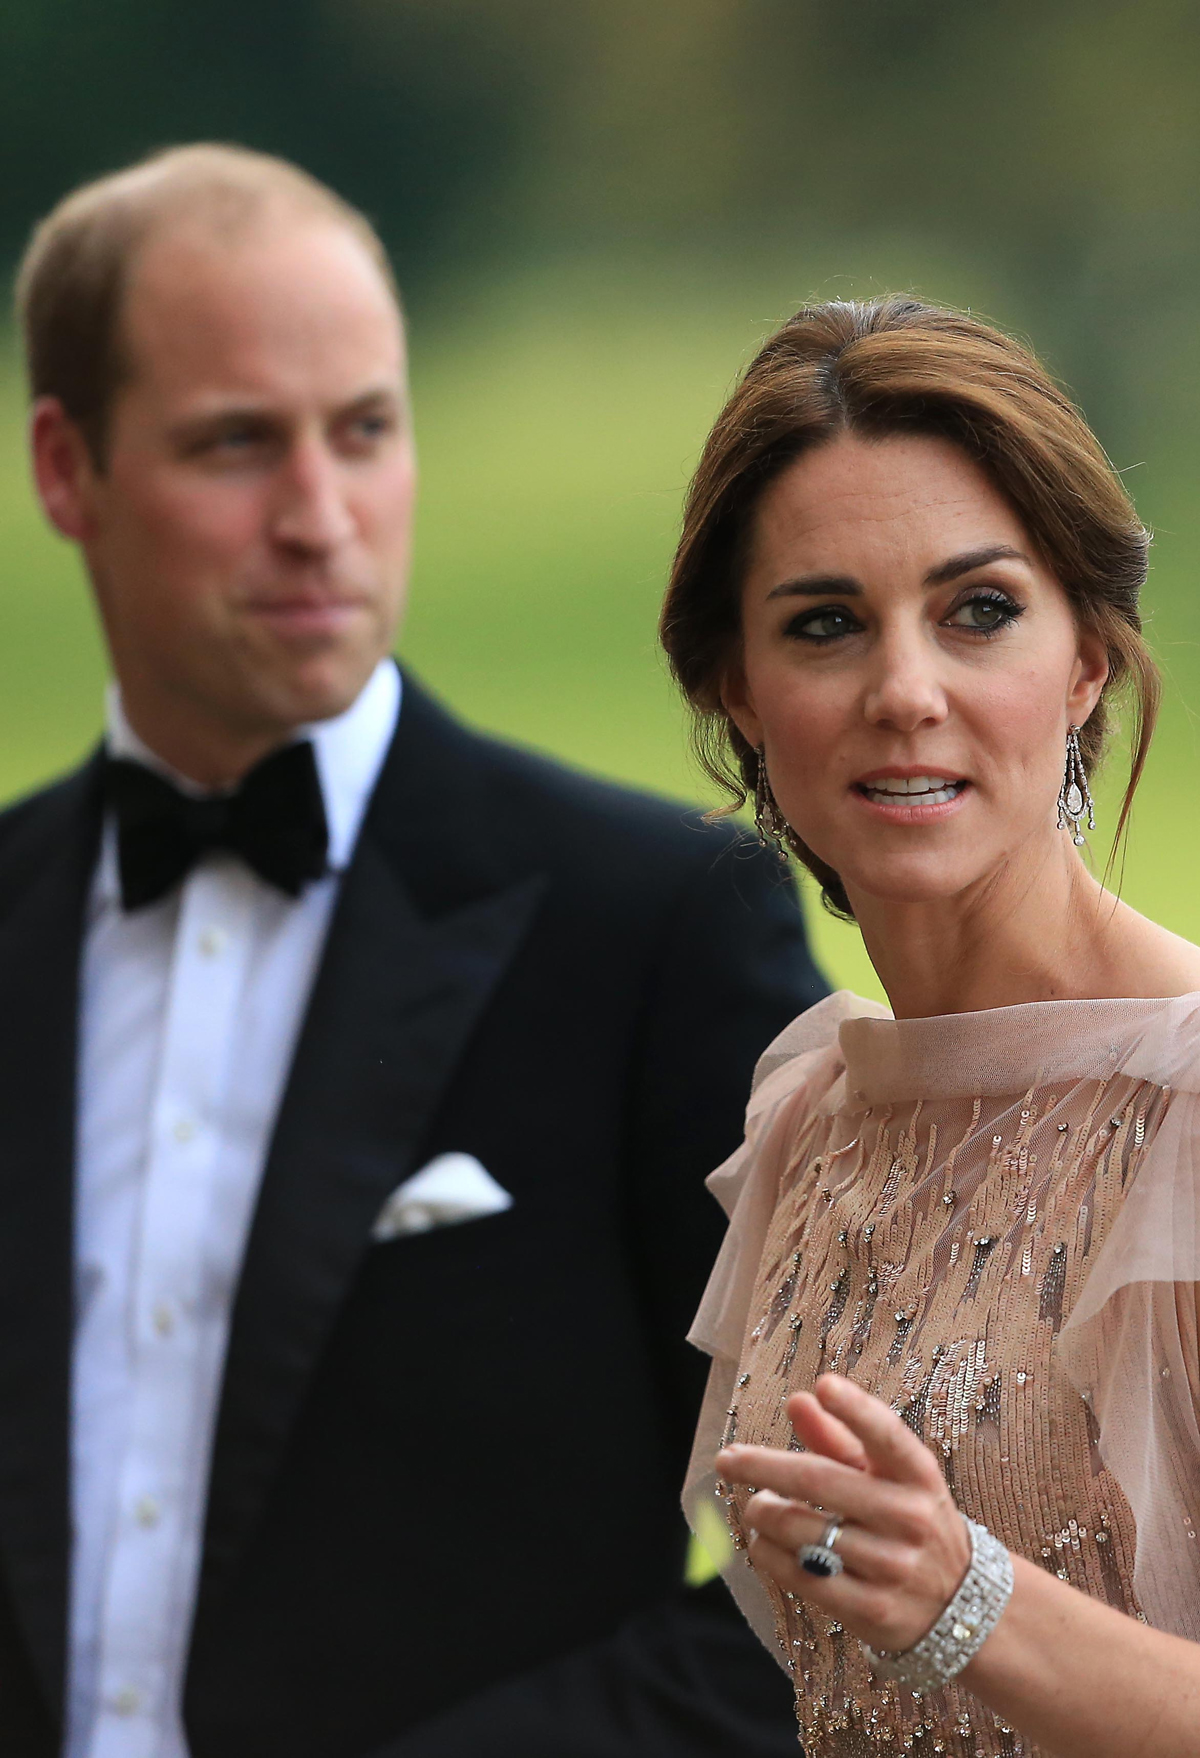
x: 72, y: 278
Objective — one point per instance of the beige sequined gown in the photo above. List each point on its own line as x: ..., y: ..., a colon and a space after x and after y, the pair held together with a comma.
x: 921, y: 1205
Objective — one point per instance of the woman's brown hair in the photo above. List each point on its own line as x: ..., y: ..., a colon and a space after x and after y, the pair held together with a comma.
x: 899, y: 366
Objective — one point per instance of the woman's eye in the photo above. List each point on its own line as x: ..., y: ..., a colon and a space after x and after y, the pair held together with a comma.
x: 827, y: 623
x: 985, y: 614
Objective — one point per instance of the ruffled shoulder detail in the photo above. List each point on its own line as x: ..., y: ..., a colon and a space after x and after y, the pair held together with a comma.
x: 817, y: 1028
x: 1131, y: 1347
x: 803, y: 1063
x: 798, y: 1071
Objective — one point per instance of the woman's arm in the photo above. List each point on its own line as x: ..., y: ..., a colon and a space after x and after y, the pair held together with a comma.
x: 1075, y: 1676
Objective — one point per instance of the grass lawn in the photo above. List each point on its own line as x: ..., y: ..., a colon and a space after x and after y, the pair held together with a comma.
x: 557, y: 422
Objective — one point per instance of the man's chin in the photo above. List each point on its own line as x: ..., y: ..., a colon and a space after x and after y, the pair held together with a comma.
x: 319, y: 689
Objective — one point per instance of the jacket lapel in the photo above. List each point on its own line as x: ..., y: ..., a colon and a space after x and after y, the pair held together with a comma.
x: 399, y: 991
x: 44, y: 873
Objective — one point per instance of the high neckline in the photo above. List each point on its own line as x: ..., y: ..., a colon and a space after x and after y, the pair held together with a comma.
x: 1009, y: 1049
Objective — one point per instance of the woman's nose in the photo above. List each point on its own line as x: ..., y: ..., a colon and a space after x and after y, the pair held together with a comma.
x: 905, y: 691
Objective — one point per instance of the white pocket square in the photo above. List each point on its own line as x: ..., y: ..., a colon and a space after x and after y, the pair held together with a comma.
x: 452, y: 1188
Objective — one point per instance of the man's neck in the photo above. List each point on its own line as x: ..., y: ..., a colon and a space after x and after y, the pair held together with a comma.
x: 210, y: 757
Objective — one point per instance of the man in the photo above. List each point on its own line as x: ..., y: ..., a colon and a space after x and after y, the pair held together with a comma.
x: 296, y: 973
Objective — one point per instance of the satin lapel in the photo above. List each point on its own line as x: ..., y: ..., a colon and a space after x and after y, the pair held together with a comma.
x: 44, y: 873
x: 397, y: 996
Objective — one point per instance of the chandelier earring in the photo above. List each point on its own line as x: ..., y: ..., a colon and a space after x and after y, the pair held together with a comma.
x: 1074, y: 797
x: 770, y: 822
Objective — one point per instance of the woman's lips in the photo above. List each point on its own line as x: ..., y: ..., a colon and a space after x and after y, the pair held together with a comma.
x: 912, y: 799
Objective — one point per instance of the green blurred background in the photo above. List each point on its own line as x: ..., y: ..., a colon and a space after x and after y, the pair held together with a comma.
x: 598, y: 208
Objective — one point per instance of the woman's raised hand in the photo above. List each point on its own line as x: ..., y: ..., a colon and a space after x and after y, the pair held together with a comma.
x: 904, y: 1544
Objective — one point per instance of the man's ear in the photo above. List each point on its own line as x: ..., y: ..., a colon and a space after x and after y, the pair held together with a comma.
x: 1089, y: 677
x: 63, y: 471
x: 737, y: 703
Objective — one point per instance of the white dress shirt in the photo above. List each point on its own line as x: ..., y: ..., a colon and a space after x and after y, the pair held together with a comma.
x: 189, y: 1015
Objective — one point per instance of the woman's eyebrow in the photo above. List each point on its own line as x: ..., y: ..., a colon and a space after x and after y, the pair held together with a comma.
x: 816, y: 586
x: 972, y: 559
x: 846, y: 586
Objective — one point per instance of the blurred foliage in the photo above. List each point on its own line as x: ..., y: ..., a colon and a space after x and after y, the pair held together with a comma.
x: 597, y: 210
x: 1057, y: 145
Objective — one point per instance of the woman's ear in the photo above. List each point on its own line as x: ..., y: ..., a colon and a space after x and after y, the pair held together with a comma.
x: 735, y: 700
x: 1088, y: 678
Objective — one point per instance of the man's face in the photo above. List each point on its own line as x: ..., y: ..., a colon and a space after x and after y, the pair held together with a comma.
x: 249, y: 535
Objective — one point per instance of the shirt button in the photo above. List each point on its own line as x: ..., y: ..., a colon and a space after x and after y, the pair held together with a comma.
x: 184, y: 1129
x: 163, y: 1319
x: 127, y: 1701
x: 212, y: 942
x: 147, y: 1511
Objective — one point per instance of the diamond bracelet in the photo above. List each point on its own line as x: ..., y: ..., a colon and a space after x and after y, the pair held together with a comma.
x: 963, y: 1627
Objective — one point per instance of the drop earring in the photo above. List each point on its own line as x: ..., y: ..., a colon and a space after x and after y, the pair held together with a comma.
x: 1074, y: 797
x: 769, y: 821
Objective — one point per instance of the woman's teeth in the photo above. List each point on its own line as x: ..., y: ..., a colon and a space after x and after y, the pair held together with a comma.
x: 921, y: 790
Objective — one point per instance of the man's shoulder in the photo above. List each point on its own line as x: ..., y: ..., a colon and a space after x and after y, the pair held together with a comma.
x: 606, y: 808
x: 55, y: 821
x: 529, y: 799
x: 50, y: 805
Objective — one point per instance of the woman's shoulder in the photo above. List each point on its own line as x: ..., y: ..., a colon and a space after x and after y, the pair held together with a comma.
x: 798, y: 1069
x: 787, y: 1060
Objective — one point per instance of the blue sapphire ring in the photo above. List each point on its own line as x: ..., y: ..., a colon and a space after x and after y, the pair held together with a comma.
x: 822, y: 1559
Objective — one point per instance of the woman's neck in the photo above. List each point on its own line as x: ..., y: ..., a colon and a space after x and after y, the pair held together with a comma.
x: 1039, y: 929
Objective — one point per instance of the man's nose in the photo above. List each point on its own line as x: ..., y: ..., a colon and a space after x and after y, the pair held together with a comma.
x: 905, y: 691
x: 310, y: 511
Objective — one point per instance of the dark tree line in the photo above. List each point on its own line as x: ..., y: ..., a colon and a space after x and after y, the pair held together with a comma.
x: 1059, y: 143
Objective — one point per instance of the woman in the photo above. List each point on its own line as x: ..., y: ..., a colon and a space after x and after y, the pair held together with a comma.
x: 960, y: 1275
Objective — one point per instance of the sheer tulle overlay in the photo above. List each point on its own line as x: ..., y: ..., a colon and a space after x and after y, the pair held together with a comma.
x: 991, y: 1220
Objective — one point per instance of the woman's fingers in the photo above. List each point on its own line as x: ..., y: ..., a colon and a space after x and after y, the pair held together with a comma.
x: 863, y: 1607
x: 890, y: 1591
x: 789, y: 1525
x: 823, y: 1432
x: 810, y: 1477
x: 904, y: 1545
x: 890, y: 1446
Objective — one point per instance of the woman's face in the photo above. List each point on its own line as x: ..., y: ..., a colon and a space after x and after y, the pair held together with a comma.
x: 910, y: 665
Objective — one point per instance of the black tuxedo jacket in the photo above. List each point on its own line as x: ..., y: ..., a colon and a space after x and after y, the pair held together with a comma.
x: 442, y: 1514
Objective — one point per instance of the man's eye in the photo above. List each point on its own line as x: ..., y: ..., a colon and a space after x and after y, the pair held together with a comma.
x: 227, y: 439
x: 827, y: 623
x: 368, y: 430
x: 986, y: 613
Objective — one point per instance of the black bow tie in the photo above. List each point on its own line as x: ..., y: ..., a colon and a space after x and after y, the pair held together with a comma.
x: 275, y: 821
